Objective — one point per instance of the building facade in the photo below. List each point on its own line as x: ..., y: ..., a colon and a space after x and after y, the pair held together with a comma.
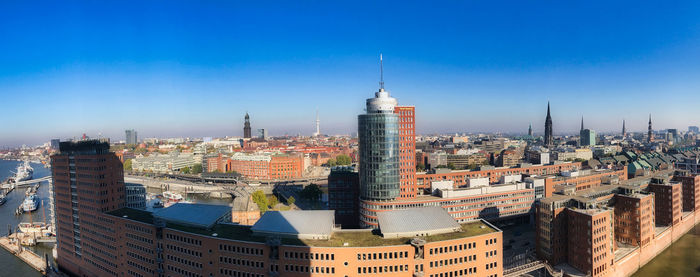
x: 407, y: 151
x: 88, y: 181
x: 344, y: 195
x: 378, y: 137
x: 131, y: 137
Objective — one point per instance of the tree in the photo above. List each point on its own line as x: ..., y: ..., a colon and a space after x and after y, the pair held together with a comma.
x: 196, y: 169
x: 185, y: 170
x: 260, y: 199
x: 343, y: 159
x: 451, y: 166
x: 331, y: 162
x: 420, y: 167
x: 127, y: 165
x: 291, y: 200
x: 272, y: 201
x: 311, y: 192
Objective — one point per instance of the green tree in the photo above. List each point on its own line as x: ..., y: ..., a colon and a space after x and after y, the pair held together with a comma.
x: 331, y: 162
x: 127, y: 165
x: 291, y: 200
x: 343, y: 159
x: 185, y: 170
x: 311, y: 192
x: 196, y: 169
x: 272, y: 201
x: 451, y: 166
x: 420, y: 167
x: 261, y: 200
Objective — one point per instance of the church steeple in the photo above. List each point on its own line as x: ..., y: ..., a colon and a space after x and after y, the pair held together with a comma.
x: 548, y: 135
x: 529, y: 130
x: 624, y: 131
x: 650, y: 133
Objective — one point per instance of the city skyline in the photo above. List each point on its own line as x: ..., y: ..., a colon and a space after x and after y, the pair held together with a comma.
x: 195, y: 79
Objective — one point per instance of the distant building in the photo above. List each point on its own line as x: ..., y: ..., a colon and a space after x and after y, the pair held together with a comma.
x: 246, y: 126
x: 694, y: 129
x: 263, y: 134
x: 54, y: 144
x: 587, y: 137
x: 135, y: 196
x: 131, y: 137
x: 344, y: 196
x: 650, y: 132
x: 548, y: 134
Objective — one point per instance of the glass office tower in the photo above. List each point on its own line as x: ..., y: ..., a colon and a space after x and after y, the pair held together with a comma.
x: 378, y: 132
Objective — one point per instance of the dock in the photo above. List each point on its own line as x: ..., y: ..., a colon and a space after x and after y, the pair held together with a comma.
x: 24, y: 254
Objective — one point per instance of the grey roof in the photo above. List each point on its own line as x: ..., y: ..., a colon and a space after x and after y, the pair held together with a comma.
x: 199, y: 215
x: 316, y: 222
x: 415, y: 220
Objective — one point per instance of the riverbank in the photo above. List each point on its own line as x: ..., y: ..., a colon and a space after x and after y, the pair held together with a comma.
x: 634, y: 259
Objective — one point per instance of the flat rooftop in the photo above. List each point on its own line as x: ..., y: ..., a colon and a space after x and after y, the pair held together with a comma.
x: 426, y: 219
x: 353, y: 238
x: 319, y: 222
x: 201, y: 215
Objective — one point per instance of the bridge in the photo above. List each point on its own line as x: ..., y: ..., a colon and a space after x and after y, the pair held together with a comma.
x: 530, y: 267
x: 32, y: 181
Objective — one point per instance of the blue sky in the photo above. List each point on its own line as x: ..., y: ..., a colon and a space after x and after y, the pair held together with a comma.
x: 193, y: 68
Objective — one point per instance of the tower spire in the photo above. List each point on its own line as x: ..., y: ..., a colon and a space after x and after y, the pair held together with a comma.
x: 381, y: 72
x: 624, y: 131
x: 582, y: 123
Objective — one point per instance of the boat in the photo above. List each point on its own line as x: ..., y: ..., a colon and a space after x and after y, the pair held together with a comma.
x: 31, y: 203
x: 24, y: 172
x: 171, y: 196
x: 33, y: 227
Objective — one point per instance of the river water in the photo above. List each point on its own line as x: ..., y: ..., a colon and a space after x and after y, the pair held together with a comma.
x: 680, y: 259
x: 9, y: 264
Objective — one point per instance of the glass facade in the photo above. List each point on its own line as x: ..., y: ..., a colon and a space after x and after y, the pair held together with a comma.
x: 379, y: 156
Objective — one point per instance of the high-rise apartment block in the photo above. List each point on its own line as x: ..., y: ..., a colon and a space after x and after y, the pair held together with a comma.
x: 88, y: 181
x: 587, y: 137
x: 407, y: 151
x: 131, y: 136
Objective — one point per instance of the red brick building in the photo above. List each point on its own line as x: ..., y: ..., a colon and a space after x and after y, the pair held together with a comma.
x: 88, y: 181
x: 267, y: 166
x: 691, y: 192
x: 667, y: 212
x: 591, y: 240
x: 634, y: 219
x: 407, y: 151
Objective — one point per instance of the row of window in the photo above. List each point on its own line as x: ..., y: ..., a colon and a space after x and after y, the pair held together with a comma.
x: 182, y: 271
x: 311, y: 269
x: 236, y: 273
x: 241, y: 262
x: 240, y: 249
x: 184, y: 239
x: 383, y: 256
x: 452, y: 248
x: 309, y: 256
x: 382, y: 269
x: 452, y: 261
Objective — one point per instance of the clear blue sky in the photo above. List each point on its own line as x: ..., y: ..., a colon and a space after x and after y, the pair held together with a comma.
x: 172, y: 68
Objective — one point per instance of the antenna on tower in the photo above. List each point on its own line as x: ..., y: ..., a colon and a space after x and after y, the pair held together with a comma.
x: 381, y: 72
